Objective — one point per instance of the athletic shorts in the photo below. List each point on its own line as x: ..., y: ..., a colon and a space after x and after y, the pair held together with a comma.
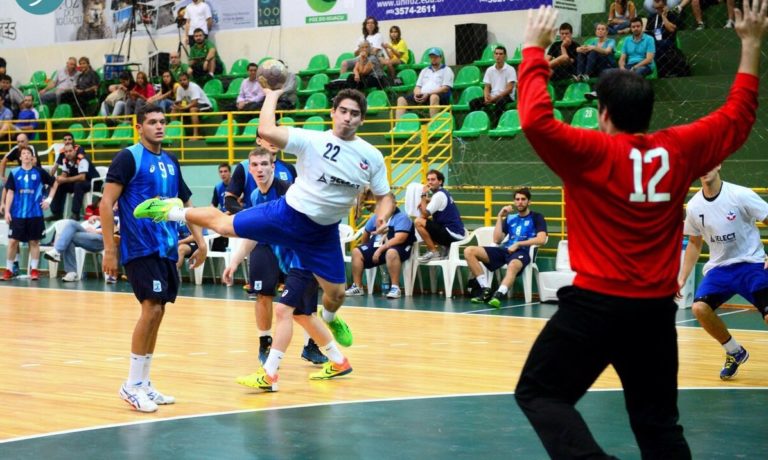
x: 445, y: 99
x: 722, y: 283
x: 403, y: 250
x: 499, y: 257
x: 318, y: 247
x: 440, y: 234
x: 220, y: 244
x: 263, y: 270
x: 193, y: 246
x: 300, y: 292
x: 153, y: 278
x: 26, y: 230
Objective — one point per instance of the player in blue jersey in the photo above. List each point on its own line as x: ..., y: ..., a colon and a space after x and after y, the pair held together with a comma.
x: 24, y: 206
x: 440, y: 222
x: 147, y: 250
x: 525, y: 228
x: 334, y: 166
x: 219, y: 201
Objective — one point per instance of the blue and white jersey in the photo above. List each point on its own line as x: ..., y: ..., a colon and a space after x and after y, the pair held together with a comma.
x: 445, y: 212
x: 27, y: 186
x: 285, y: 257
x: 143, y: 175
x: 522, y: 228
x: 399, y: 222
x: 284, y: 171
x: 218, y: 196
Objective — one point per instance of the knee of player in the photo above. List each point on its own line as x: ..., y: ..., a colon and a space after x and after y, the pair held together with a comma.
x: 470, y: 251
x: 700, y: 309
x: 283, y: 312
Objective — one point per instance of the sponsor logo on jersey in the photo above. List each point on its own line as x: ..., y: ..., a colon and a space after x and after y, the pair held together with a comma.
x: 731, y: 216
x: 333, y: 180
x: 151, y: 168
x: 723, y: 238
x: 364, y: 165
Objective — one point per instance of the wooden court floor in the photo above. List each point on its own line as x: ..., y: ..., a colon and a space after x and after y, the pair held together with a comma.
x: 65, y: 356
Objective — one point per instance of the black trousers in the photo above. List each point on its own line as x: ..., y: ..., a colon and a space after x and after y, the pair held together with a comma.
x: 588, y: 332
x: 78, y: 190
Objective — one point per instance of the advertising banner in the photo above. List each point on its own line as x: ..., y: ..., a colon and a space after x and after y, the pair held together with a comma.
x: 21, y: 29
x: 389, y: 10
x: 306, y: 12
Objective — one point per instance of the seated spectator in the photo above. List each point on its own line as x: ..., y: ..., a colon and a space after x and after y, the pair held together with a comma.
x: 524, y: 229
x: 28, y: 117
x: 204, y: 60
x: 141, y: 92
x: 367, y: 72
x: 445, y: 225
x: 72, y: 235
x: 397, y: 50
x: 562, y: 54
x: 433, y: 87
x: 619, y: 15
x: 662, y: 26
x: 638, y: 51
x: 175, y: 66
x: 115, y: 102
x: 595, y: 55
x: 251, y: 95
x: 24, y: 208
x: 63, y: 83
x: 498, y: 86
x: 12, y: 96
x: 392, y: 249
x: 77, y: 172
x: 698, y: 5
x: 372, y: 36
x: 167, y: 95
x: 66, y: 139
x: 86, y: 88
x: 191, y: 99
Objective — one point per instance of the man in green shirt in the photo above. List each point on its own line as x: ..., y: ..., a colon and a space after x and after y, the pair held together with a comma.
x: 204, y: 61
x: 176, y: 67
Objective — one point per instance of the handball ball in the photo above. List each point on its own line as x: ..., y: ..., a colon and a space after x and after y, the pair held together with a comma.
x: 272, y: 74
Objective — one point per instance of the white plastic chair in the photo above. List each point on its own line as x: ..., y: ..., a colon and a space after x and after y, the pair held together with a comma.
x: 550, y: 282
x: 94, y: 191
x: 448, y: 266
x: 232, y: 246
x: 484, y: 237
x: 347, y: 235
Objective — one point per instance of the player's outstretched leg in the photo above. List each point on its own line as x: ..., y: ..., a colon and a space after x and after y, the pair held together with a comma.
x: 338, y: 327
x: 156, y: 209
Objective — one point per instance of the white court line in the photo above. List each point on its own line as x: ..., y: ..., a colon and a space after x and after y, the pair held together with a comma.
x: 198, y: 353
x: 719, y: 314
x: 74, y: 361
x: 31, y: 365
x: 508, y: 307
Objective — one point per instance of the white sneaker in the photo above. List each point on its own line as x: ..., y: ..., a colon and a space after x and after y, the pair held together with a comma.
x: 137, y: 398
x: 431, y: 255
x: 354, y: 290
x: 157, y: 397
x: 109, y: 279
x: 52, y: 255
x: 70, y: 277
x: 394, y: 292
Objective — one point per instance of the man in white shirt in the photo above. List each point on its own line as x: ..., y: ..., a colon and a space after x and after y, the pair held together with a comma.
x: 198, y: 15
x: 433, y: 87
x: 191, y: 99
x: 499, y: 81
x: 725, y: 215
x: 65, y: 81
x: 251, y: 95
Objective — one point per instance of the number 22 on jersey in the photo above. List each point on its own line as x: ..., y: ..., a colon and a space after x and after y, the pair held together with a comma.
x: 649, y: 195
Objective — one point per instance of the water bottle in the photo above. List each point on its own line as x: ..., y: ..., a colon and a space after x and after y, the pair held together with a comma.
x: 385, y: 281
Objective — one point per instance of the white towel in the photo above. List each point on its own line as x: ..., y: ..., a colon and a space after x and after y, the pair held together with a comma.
x: 413, y: 198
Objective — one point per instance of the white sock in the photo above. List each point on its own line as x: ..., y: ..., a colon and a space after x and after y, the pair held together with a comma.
x: 502, y: 290
x: 145, y: 371
x: 273, y: 362
x: 136, y: 370
x: 265, y: 333
x: 732, y: 346
x: 33, y: 264
x: 482, y: 280
x: 9, y: 264
x: 306, y: 338
x: 328, y: 316
x: 177, y: 214
x: 16, y: 259
x: 333, y: 353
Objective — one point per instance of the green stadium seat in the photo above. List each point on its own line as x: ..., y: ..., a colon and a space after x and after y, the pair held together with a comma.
x: 508, y: 126
x: 250, y: 131
x: 574, y: 95
x: 585, y: 117
x: 44, y: 112
x: 558, y: 114
x: 408, y: 78
x: 411, y: 59
x: 78, y: 131
x: 315, y: 123
x: 122, y: 135
x: 174, y: 131
x: 336, y: 69
x: 233, y: 90
x: 315, y: 84
x: 551, y: 91
x: 473, y: 92
x: 486, y: 59
x: 517, y: 56
x: 619, y: 47
x: 36, y: 81
x: 214, y: 105
x: 441, y: 124
x: 317, y: 101
x: 239, y: 68
x: 424, y: 62
x: 377, y: 101
x: 222, y: 133
x: 405, y: 127
x: 475, y: 124
x: 213, y: 88
x: 100, y: 133
x: 286, y: 121
x: 62, y: 111
x: 468, y: 76
x: 317, y: 64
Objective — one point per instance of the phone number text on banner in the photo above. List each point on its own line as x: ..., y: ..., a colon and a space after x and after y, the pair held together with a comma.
x: 387, y: 10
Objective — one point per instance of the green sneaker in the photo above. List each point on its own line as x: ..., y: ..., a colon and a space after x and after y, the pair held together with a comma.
x: 339, y: 329
x: 495, y: 301
x: 484, y: 297
x: 156, y: 209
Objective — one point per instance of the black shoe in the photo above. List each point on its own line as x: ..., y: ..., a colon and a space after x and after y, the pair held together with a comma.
x: 313, y: 354
x: 484, y: 297
x: 265, y: 344
x: 53, y: 217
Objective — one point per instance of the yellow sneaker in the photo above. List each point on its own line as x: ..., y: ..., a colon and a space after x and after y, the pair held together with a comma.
x: 259, y: 379
x: 332, y: 370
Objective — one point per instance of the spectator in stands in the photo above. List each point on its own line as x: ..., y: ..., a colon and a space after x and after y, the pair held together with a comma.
x: 498, y: 86
x: 638, y: 51
x: 445, y: 225
x: 12, y: 96
x: 562, y: 54
x: 619, y: 15
x: 167, y: 94
x: 523, y: 228
x: 64, y: 82
x: 198, y: 15
x: 397, y: 50
x: 77, y: 172
x: 662, y: 26
x: 86, y: 88
x: 698, y: 5
x: 433, y: 87
x: 290, y: 97
x: 676, y: 4
x: 370, y: 35
x: 71, y: 235
x: 6, y: 125
x: 176, y: 66
x: 204, y: 60
x: 139, y: 94
x: 115, y: 102
x: 191, y: 99
x: 28, y: 117
x: 595, y: 55
x: 368, y: 72
x: 251, y: 95
x: 66, y: 139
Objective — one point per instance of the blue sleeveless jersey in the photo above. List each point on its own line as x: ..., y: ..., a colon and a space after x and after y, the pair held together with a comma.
x: 249, y: 186
x: 27, y: 186
x: 449, y: 217
x: 154, y: 176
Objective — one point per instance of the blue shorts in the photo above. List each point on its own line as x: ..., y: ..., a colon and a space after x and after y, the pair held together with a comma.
x: 263, y: 270
x: 318, y: 247
x: 153, y: 278
x: 722, y: 283
x: 499, y: 257
x: 300, y: 292
x: 403, y: 250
